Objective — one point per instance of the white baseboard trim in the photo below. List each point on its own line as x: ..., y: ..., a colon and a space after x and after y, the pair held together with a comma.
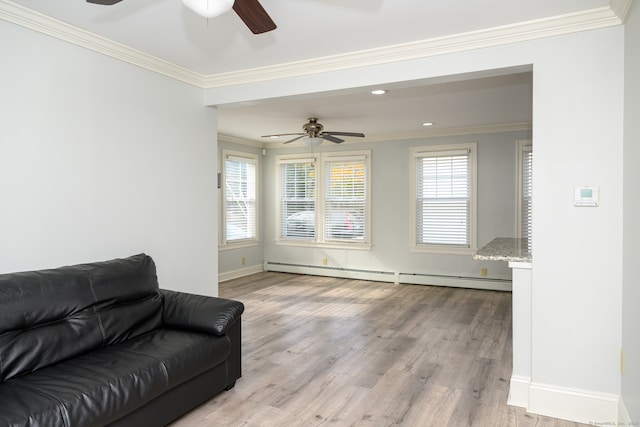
x: 575, y: 405
x: 519, y: 391
x: 229, y: 275
x: 623, y: 415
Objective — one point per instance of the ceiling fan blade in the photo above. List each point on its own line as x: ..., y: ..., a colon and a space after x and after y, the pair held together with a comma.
x: 358, y: 134
x: 104, y: 2
x: 283, y: 134
x: 254, y: 16
x: 323, y: 135
x: 295, y: 139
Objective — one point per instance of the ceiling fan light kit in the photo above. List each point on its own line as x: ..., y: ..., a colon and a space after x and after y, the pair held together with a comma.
x: 104, y: 2
x: 209, y: 8
x: 313, y: 141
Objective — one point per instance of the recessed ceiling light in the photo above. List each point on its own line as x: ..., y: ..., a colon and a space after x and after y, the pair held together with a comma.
x: 427, y: 124
x: 379, y: 92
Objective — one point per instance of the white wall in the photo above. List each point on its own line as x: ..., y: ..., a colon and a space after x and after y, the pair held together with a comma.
x: 631, y: 290
x: 100, y: 159
x: 577, y: 266
x: 390, y: 209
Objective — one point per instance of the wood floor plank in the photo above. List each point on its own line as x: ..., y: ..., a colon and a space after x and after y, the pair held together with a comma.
x: 321, y: 351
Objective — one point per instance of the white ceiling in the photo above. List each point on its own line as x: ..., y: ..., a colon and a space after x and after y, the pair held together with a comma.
x: 312, y: 29
x: 500, y: 102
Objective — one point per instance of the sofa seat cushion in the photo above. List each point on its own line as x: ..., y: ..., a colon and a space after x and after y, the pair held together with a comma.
x: 98, y: 387
x: 184, y: 354
x: 26, y: 407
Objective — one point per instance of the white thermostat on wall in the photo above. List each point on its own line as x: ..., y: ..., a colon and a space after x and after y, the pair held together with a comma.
x: 586, y: 196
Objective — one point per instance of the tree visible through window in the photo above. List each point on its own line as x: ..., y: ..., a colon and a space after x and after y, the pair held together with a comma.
x: 345, y: 200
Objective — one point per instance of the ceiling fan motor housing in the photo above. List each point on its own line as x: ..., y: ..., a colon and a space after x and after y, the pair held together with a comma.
x: 313, y: 128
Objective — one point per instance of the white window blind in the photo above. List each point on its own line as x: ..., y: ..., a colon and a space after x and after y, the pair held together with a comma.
x: 240, y: 198
x: 443, y: 198
x: 526, y: 191
x: 298, y: 199
x: 345, y: 198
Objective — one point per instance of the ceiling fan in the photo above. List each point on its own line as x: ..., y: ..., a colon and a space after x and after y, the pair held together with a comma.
x: 250, y: 11
x: 314, y: 134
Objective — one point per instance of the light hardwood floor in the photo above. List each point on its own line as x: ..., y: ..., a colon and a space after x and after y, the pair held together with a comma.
x: 322, y: 351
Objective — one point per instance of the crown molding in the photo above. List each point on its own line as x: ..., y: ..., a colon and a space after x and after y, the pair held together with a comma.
x: 513, y: 33
x: 469, y: 130
x: 242, y: 141
x: 612, y: 15
x: 620, y: 8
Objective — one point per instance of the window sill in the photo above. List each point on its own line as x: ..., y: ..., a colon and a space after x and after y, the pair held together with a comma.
x: 325, y: 245
x: 238, y: 245
x: 436, y: 249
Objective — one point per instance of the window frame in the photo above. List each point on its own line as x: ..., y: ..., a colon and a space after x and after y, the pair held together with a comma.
x: 321, y: 160
x: 250, y: 241
x: 419, y: 152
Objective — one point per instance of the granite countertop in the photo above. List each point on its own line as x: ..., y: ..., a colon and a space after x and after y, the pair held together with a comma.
x: 505, y: 249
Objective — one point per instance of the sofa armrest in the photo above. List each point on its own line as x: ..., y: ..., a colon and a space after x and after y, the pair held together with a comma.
x: 202, y: 313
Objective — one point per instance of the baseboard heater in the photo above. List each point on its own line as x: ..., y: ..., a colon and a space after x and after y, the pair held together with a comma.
x: 392, y: 277
x: 345, y: 273
x: 456, y: 281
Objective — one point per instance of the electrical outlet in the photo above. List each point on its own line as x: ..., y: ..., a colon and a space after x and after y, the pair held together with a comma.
x: 324, y: 261
x: 483, y: 271
x: 243, y: 260
x: 622, y: 361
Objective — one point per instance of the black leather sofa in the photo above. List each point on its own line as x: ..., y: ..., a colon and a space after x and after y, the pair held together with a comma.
x: 100, y: 344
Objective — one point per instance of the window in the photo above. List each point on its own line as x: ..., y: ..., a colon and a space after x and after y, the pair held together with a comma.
x: 298, y: 198
x: 239, y: 197
x: 345, y: 198
x: 324, y: 199
x: 444, y: 198
x: 525, y: 189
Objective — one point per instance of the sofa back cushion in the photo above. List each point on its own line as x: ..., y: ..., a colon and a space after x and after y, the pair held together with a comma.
x: 51, y: 315
x: 127, y: 298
